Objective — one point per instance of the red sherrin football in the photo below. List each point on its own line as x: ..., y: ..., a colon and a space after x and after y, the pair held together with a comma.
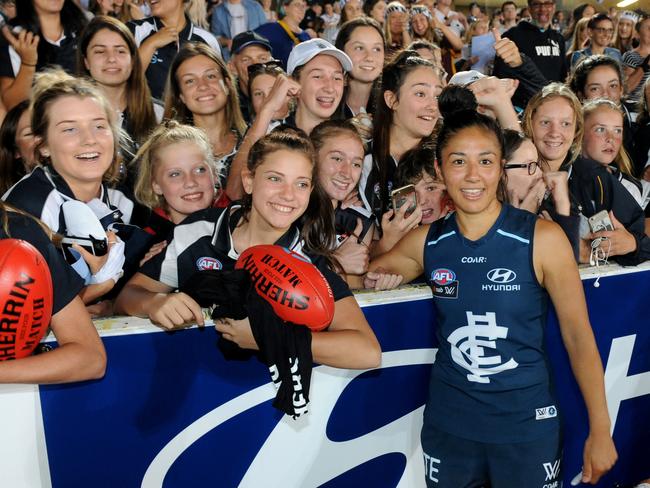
x: 25, y: 298
x: 294, y: 287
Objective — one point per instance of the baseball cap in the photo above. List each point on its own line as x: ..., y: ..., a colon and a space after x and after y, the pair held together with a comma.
x: 305, y: 51
x: 464, y: 78
x: 248, y: 38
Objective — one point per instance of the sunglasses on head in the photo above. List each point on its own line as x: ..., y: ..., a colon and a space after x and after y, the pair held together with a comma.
x: 272, y: 65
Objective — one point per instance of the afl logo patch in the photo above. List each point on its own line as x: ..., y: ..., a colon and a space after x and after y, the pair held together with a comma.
x: 206, y: 263
x: 443, y: 276
x: 444, y: 283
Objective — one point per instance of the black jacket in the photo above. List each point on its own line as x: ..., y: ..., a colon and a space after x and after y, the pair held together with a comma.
x: 544, y: 57
x: 593, y: 189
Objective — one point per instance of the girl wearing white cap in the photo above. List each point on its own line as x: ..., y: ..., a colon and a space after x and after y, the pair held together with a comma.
x: 317, y: 78
x: 625, y: 33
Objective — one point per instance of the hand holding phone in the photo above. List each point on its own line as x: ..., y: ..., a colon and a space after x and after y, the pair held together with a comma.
x: 600, y: 221
x: 404, y: 196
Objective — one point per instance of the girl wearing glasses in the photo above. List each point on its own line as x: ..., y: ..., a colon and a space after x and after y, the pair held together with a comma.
x: 553, y: 120
x: 601, y: 32
x: 201, y: 92
x: 527, y: 185
x: 469, y: 436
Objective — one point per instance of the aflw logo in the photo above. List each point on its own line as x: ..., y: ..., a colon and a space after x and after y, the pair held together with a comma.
x: 552, y: 469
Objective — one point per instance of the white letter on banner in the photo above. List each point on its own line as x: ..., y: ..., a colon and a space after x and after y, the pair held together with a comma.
x: 618, y: 385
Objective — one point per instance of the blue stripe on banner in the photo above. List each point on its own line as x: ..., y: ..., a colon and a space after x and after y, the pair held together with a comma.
x: 513, y: 236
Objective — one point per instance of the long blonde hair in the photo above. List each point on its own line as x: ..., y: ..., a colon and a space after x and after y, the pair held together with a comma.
x: 622, y: 159
x: 67, y: 86
x: 550, y: 92
x: 171, y: 132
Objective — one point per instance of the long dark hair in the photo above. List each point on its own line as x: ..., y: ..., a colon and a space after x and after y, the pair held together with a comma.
x: 11, y: 167
x: 392, y: 79
x: 174, y: 106
x: 578, y: 78
x: 317, y: 223
x: 141, y: 117
x: 72, y: 19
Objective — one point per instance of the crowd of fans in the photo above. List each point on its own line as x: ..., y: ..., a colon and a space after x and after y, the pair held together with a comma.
x: 192, y: 130
x: 158, y: 115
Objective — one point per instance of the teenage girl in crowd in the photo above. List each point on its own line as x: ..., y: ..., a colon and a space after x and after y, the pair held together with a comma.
x: 317, y: 77
x: 642, y: 143
x: 44, y: 34
x: 580, y: 38
x: 472, y: 411
x: 261, y: 79
x: 406, y: 113
x: 177, y: 176
x: 603, y: 142
x: 108, y: 54
x: 624, y: 40
x: 201, y: 91
x: 396, y: 28
x: 340, y: 153
x: 376, y: 10
x: 159, y: 38
x: 119, y: 9
x: 285, y: 205
x: 527, y: 185
x: 363, y: 41
x: 16, y: 146
x: 80, y: 354
x: 553, y: 120
x: 77, y: 141
x: 599, y: 76
x: 426, y: 26
x: 636, y: 62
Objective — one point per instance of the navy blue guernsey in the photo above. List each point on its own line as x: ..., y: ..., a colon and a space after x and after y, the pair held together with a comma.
x: 490, y: 381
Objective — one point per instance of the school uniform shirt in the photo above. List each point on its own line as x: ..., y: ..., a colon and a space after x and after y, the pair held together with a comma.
x: 62, y: 53
x: 490, y: 382
x: 43, y: 191
x: 203, y: 241
x: 162, y: 58
x: 370, y: 183
x: 66, y: 282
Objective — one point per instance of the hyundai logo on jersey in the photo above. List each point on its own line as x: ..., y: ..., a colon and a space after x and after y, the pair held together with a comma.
x: 501, y: 275
x: 207, y: 263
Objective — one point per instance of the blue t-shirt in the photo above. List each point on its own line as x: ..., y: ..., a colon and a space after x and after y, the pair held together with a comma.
x: 490, y: 382
x: 281, y: 43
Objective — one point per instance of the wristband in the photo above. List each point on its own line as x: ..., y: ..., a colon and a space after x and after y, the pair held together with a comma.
x: 27, y: 64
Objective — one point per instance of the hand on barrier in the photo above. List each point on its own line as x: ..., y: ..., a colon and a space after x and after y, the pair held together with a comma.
x: 175, y: 310
x: 381, y: 280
